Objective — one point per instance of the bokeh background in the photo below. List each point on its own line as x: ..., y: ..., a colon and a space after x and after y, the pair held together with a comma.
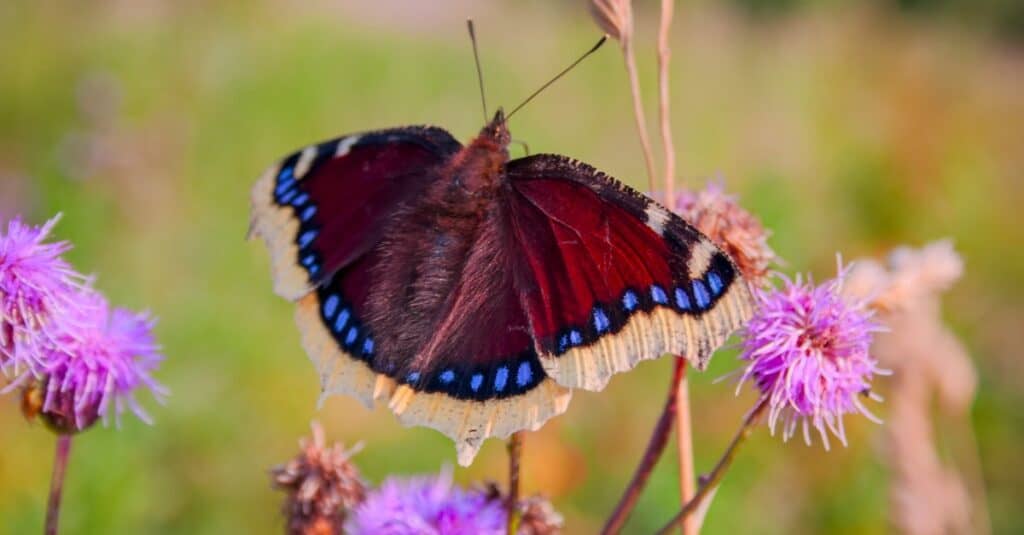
x: 847, y: 126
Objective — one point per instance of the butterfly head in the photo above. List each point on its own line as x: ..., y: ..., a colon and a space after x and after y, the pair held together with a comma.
x: 496, y: 131
x: 478, y: 167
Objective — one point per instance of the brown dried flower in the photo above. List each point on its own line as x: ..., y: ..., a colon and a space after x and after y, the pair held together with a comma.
x: 538, y: 516
x: 911, y: 276
x: 731, y: 227
x: 929, y: 495
x: 321, y: 486
x: 615, y: 17
x: 906, y: 295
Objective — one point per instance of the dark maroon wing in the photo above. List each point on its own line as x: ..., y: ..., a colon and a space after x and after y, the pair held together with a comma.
x: 475, y: 374
x: 608, y: 277
x: 324, y: 206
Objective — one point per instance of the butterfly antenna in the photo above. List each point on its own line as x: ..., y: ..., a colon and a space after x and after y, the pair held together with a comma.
x: 557, y: 76
x: 479, y: 71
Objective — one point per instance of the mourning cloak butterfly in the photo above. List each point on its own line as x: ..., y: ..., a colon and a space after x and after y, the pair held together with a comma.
x: 472, y: 292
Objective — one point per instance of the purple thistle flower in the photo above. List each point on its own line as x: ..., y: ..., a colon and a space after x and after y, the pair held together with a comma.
x: 427, y: 505
x: 808, y: 352
x: 35, y: 285
x: 93, y: 362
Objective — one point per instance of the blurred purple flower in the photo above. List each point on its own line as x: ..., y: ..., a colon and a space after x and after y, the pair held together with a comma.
x: 35, y: 285
x: 427, y: 505
x: 808, y: 352
x: 93, y: 361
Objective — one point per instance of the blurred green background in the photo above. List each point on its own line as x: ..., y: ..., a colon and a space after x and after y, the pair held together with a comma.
x: 847, y: 126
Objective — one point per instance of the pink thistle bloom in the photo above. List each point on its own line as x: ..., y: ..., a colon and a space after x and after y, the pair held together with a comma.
x: 94, y: 361
x: 427, y: 505
x: 36, y: 284
x: 808, y: 349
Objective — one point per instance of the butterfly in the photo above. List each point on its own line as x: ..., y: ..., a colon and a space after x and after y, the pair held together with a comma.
x: 472, y: 291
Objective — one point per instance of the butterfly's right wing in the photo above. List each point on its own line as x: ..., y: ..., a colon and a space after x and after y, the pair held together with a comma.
x: 609, y: 278
x: 323, y: 207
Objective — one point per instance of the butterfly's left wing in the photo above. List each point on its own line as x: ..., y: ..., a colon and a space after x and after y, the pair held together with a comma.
x: 323, y: 207
x: 609, y: 278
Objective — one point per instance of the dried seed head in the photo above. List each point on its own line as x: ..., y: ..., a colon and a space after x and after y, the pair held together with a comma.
x: 321, y: 485
x: 731, y: 227
x: 909, y: 276
x: 906, y: 292
x: 614, y: 17
x: 538, y: 516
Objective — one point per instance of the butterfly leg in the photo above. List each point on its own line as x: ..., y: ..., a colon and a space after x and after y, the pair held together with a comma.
x: 526, y: 148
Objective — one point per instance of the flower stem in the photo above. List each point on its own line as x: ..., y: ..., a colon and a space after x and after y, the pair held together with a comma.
x: 60, y: 464
x: 684, y: 443
x: 638, y: 108
x: 515, y: 452
x: 655, y: 446
x: 708, y: 482
x: 664, y: 56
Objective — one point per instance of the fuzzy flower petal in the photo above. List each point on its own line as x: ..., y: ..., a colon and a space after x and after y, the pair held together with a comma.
x: 731, y: 227
x: 35, y: 284
x: 807, y: 348
x: 427, y: 505
x: 94, y: 361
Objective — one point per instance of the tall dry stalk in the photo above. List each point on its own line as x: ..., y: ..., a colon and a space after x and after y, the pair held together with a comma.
x: 684, y: 427
x: 615, y: 17
x: 929, y: 494
x: 664, y: 56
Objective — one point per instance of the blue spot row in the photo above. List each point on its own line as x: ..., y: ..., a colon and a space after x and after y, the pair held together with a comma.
x: 288, y: 193
x: 696, y: 297
x: 284, y: 189
x: 347, y: 331
x: 512, y: 377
